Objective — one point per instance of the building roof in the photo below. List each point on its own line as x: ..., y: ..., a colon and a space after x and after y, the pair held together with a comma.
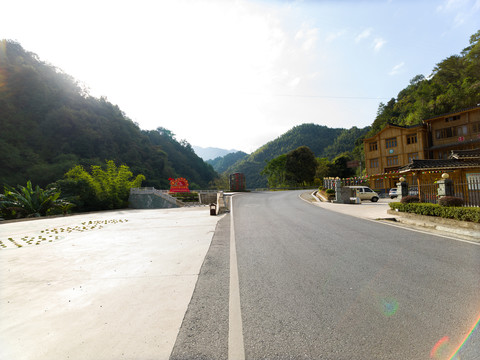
x: 453, y: 113
x: 434, y: 164
x: 456, y: 143
x: 389, y: 125
x: 465, y: 154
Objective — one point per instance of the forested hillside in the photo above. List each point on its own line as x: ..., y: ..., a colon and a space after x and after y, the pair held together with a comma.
x: 49, y: 124
x: 318, y: 138
x: 222, y: 163
x: 453, y: 85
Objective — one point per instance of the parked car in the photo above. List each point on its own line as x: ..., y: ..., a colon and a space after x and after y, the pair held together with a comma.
x: 393, y: 193
x: 365, y: 193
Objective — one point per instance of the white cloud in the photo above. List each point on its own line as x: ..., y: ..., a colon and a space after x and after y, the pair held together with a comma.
x: 449, y: 5
x: 363, y: 35
x: 396, y: 69
x: 294, y: 82
x: 335, y: 35
x: 308, y: 37
x: 378, y: 43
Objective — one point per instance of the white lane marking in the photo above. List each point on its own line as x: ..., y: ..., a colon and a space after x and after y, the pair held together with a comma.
x: 450, y: 237
x: 236, y: 350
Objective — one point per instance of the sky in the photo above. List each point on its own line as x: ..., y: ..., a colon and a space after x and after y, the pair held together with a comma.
x: 236, y: 74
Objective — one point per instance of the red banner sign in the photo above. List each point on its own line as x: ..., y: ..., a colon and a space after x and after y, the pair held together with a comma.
x: 178, y: 185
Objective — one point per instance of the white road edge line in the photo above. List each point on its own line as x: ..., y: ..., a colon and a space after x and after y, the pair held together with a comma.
x: 236, y: 349
x: 451, y: 237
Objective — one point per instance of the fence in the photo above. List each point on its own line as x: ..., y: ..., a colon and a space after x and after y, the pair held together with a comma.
x: 329, y: 183
x: 468, y: 191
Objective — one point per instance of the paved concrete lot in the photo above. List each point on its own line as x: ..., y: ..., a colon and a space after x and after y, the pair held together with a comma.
x: 111, y: 285
x: 366, y: 209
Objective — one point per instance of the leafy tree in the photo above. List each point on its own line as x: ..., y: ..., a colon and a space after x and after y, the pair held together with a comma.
x: 338, y: 167
x: 300, y: 166
x: 323, y: 168
x: 101, y: 189
x: 275, y: 170
x: 27, y: 201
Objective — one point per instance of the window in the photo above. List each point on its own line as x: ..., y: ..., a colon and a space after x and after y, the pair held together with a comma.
x: 374, y: 163
x: 445, y: 133
x: 411, y: 139
x: 412, y: 156
x: 461, y: 130
x: 476, y: 127
x: 392, y: 142
x: 392, y: 160
x: 452, y: 118
x: 373, y: 146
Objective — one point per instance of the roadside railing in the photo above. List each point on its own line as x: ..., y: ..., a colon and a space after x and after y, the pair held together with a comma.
x: 468, y: 191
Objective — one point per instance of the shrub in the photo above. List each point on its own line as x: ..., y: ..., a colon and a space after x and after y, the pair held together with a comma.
x: 450, y: 201
x: 321, y: 188
x: 330, y: 192
x: 458, y: 213
x: 29, y: 201
x: 410, y: 199
x: 186, y: 197
x: 104, y: 189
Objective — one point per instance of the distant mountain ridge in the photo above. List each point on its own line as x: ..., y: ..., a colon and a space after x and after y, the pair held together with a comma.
x: 210, y: 153
x: 221, y: 164
x: 322, y: 140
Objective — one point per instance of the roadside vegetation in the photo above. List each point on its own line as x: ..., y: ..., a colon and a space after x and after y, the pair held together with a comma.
x: 471, y: 214
x: 100, y: 189
x: 300, y: 168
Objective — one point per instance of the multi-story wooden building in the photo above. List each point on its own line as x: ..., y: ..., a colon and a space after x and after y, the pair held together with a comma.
x: 455, y: 131
x: 396, y: 146
x: 391, y: 148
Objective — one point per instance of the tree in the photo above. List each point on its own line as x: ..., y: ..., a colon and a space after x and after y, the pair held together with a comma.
x: 338, y: 167
x: 26, y: 201
x: 323, y: 168
x: 111, y: 187
x: 275, y: 171
x: 300, y: 166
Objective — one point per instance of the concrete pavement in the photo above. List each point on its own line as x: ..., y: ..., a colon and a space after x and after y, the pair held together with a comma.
x: 107, y: 285
x: 381, y: 211
x: 366, y: 210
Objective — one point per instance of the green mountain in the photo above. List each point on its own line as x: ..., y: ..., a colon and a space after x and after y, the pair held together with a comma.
x: 453, y: 85
x: 49, y: 124
x: 222, y: 163
x: 322, y: 140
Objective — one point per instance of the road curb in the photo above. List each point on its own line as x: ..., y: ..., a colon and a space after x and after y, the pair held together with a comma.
x: 464, y: 229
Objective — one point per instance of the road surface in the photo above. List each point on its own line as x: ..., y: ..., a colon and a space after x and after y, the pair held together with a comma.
x: 315, y: 284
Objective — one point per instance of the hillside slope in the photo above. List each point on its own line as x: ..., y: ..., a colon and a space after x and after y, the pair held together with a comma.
x: 222, y: 163
x: 317, y: 137
x: 50, y: 124
x: 453, y: 85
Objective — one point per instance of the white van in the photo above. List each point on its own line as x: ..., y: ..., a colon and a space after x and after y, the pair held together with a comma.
x: 365, y: 193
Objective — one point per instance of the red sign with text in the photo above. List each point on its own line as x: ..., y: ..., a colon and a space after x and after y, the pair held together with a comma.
x: 178, y: 185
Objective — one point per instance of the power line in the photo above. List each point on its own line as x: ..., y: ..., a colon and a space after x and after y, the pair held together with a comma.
x: 334, y: 97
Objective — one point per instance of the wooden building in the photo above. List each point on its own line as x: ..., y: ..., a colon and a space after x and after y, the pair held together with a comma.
x: 454, y: 131
x: 396, y: 146
x: 391, y: 148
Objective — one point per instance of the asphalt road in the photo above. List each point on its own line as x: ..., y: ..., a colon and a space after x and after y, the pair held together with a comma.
x: 315, y: 284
